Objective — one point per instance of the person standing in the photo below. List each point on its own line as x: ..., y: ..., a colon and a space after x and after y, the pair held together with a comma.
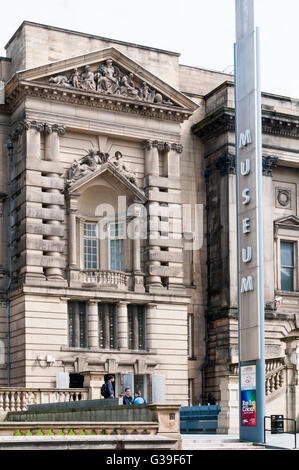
x: 127, y: 399
x: 107, y: 389
x: 139, y: 400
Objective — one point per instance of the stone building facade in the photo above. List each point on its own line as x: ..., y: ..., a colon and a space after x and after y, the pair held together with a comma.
x: 115, y: 157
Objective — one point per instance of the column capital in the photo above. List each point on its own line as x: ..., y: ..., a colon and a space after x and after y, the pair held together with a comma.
x: 225, y: 163
x: 178, y: 148
x: 50, y: 128
x: 269, y: 163
x: 93, y: 301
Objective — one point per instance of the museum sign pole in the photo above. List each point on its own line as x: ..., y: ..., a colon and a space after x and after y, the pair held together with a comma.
x: 249, y: 224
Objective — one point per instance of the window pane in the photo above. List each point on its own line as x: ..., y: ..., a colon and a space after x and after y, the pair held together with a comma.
x: 90, y: 246
x: 117, y: 255
x: 287, y: 254
x: 287, y: 279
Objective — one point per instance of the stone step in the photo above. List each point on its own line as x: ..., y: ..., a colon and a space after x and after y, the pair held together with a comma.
x: 210, y: 444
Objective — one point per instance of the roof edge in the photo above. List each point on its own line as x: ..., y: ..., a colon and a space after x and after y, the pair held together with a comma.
x: 94, y: 36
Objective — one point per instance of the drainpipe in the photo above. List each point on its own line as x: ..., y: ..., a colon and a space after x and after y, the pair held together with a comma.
x: 208, y: 304
x: 10, y: 147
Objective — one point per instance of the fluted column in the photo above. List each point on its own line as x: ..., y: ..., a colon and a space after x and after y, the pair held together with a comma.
x: 122, y: 315
x: 93, y: 324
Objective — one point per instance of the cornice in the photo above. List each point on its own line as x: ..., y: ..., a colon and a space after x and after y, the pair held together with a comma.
x: 19, y: 90
x: 223, y: 120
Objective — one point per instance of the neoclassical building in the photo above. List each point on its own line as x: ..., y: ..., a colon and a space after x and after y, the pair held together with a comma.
x: 118, y: 234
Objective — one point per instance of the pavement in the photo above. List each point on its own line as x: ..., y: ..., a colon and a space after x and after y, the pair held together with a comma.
x: 284, y: 441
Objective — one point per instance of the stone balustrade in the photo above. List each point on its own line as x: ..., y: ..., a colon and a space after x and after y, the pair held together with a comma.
x: 107, y: 278
x: 18, y: 398
x: 275, y: 373
x: 77, y: 428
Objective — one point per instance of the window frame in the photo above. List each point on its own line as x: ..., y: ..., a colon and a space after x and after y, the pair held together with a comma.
x: 288, y: 234
x: 84, y: 237
x: 294, y: 267
x: 119, y: 237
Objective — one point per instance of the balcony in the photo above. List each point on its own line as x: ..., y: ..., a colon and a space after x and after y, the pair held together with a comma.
x: 106, y: 279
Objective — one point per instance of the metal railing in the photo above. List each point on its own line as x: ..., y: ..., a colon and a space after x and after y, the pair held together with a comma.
x: 284, y: 432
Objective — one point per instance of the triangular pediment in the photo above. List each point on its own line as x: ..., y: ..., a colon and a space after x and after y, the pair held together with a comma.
x: 291, y: 221
x: 115, y: 179
x: 108, y: 72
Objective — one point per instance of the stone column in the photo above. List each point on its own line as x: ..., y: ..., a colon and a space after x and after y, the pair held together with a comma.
x: 76, y: 325
x: 33, y: 130
x: 72, y: 202
x: 93, y: 324
x: 175, y: 264
x: 269, y: 163
x: 151, y: 313
x: 122, y: 316
x: 106, y: 326
x: 135, y: 328
x: 32, y: 267
x: 228, y: 418
x: 151, y: 158
x: 52, y: 151
x: 93, y: 381
x: 292, y: 385
x: 3, y: 271
x: 137, y: 213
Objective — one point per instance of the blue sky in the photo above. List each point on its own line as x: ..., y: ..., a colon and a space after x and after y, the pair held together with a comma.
x: 203, y: 31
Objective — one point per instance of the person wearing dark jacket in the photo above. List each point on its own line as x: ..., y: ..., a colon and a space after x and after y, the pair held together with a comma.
x: 127, y: 399
x: 110, y: 388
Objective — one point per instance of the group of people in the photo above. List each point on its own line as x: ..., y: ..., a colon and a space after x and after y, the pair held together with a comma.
x: 108, y: 392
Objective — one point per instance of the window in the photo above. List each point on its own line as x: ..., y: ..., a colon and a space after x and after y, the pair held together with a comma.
x: 116, y: 250
x: 77, y: 324
x: 287, y: 266
x: 137, y: 327
x: 90, y: 246
x: 107, y: 326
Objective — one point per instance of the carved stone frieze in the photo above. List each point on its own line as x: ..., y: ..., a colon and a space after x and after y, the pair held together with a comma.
x: 107, y: 78
x: 93, y: 161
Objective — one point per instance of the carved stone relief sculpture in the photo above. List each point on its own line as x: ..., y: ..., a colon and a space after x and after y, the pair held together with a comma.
x: 93, y: 161
x: 107, y: 78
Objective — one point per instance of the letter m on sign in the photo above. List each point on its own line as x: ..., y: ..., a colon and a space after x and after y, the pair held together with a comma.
x: 247, y: 284
x: 245, y: 138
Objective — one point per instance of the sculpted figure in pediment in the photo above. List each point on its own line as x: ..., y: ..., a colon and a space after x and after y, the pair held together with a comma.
x: 76, y: 79
x: 128, y: 88
x: 123, y: 169
x: 108, y: 78
x: 88, y: 80
x: 94, y: 160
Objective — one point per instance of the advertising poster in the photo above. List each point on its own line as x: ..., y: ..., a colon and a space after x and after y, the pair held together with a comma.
x: 248, y: 377
x: 248, y: 407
